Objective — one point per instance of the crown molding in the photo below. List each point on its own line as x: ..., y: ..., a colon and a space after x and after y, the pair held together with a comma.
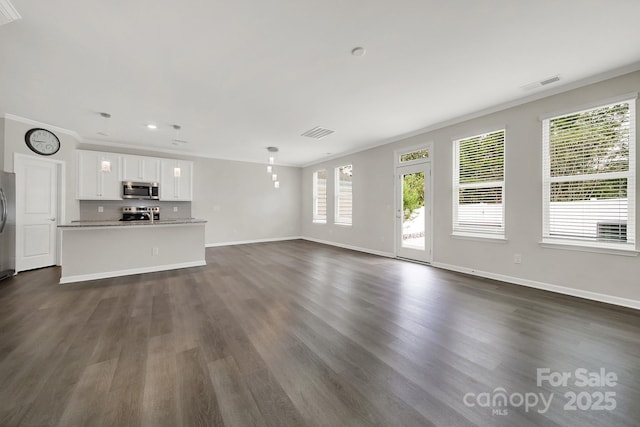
x: 8, y: 12
x: 48, y: 126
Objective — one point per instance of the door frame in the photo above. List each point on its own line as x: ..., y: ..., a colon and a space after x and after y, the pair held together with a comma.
x: 61, y: 173
x: 397, y: 223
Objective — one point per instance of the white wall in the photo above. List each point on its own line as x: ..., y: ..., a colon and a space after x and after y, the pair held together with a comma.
x: 373, y: 222
x: 240, y: 203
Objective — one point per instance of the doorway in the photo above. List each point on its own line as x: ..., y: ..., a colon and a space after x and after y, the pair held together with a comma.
x: 38, y: 211
x: 413, y: 205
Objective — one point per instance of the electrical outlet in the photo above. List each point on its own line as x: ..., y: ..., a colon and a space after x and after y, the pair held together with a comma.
x: 517, y: 258
x: 100, y: 209
x: 156, y: 251
x: 175, y: 209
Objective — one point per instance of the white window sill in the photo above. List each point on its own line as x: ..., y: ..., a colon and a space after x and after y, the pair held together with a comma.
x: 342, y: 224
x: 480, y: 237
x: 319, y: 221
x: 601, y: 248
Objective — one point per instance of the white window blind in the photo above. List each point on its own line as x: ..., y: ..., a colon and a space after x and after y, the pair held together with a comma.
x: 320, y: 196
x: 478, y: 190
x: 589, y: 176
x: 344, y: 196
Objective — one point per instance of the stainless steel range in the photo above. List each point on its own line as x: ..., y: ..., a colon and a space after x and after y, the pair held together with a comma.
x: 140, y: 213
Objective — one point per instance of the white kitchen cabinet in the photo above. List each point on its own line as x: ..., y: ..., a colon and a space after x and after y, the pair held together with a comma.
x: 140, y: 168
x: 98, y: 176
x: 176, y: 180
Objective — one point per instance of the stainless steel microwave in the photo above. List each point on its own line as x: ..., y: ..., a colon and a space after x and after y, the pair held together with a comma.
x: 140, y: 190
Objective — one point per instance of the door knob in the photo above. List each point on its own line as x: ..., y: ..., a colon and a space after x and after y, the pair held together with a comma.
x: 52, y: 219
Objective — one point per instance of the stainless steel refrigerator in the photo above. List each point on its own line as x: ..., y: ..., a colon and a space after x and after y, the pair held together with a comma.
x: 7, y: 224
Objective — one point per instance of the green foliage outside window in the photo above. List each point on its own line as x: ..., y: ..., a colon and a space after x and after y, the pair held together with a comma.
x: 412, y: 193
x: 589, y: 143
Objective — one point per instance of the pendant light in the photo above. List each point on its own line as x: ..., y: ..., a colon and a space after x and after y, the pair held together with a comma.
x: 270, y: 166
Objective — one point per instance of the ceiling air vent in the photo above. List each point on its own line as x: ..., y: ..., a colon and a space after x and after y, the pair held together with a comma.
x: 541, y: 83
x: 317, y: 132
x: 550, y: 80
x: 8, y: 13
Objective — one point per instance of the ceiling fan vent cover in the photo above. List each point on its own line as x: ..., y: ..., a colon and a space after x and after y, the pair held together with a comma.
x: 317, y: 132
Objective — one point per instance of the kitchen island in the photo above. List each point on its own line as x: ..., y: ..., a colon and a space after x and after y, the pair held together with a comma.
x: 99, y: 249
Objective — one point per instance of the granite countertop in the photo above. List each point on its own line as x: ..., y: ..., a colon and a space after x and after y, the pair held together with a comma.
x: 177, y: 221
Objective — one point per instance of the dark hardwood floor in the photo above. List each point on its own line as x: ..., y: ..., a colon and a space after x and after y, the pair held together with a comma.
x: 297, y: 333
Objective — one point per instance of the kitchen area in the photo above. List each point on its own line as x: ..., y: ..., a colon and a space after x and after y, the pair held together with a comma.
x: 135, y: 217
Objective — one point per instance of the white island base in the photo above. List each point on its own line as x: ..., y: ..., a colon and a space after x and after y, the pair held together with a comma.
x: 98, y: 250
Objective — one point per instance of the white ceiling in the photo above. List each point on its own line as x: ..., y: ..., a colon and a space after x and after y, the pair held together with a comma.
x: 242, y: 75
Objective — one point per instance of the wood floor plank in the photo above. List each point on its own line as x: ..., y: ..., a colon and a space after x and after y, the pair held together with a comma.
x: 237, y: 404
x: 160, y: 401
x: 297, y: 333
x: 198, y: 405
x: 84, y: 407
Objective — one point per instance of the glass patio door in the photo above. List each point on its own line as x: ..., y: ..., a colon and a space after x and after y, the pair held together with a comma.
x: 413, y: 212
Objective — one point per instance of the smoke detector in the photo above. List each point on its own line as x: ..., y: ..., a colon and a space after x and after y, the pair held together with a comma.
x: 8, y: 13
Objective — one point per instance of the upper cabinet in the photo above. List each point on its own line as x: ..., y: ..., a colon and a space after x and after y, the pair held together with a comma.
x: 176, y: 181
x: 99, y: 175
x: 140, y: 168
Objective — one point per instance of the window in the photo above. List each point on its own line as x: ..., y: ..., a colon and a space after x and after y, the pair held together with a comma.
x: 478, y: 190
x: 320, y: 196
x: 414, y: 155
x: 344, y: 180
x: 589, y: 177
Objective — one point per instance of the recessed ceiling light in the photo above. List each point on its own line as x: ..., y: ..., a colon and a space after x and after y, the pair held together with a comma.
x: 152, y: 126
x: 358, y: 51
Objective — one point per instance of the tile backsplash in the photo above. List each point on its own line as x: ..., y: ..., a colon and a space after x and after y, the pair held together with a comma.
x: 112, y: 209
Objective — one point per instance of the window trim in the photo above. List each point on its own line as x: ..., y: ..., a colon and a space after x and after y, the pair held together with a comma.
x: 580, y: 246
x: 576, y: 244
x: 314, y: 213
x: 475, y: 235
x: 337, y: 219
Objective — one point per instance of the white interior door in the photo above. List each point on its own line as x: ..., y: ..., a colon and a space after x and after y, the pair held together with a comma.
x: 413, y: 212
x: 36, y: 212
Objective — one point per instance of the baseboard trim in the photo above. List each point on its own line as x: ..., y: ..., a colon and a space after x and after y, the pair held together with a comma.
x: 594, y: 296
x: 353, y: 248
x: 130, y: 271
x: 247, y: 242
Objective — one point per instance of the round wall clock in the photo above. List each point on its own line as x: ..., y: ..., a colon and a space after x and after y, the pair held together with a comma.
x: 42, y: 141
